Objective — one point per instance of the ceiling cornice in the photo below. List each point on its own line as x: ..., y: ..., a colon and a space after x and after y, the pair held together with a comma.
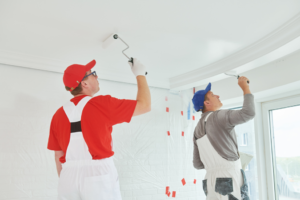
x: 52, y: 65
x: 30, y: 61
x: 284, y: 34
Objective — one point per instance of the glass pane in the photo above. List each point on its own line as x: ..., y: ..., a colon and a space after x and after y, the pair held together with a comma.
x: 246, y: 141
x: 286, y: 144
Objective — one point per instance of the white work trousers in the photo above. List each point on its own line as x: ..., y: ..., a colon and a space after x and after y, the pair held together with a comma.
x: 83, y: 178
x: 89, y: 180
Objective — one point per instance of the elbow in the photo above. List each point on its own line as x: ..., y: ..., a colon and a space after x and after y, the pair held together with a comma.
x: 147, y: 108
x: 248, y: 115
x: 142, y: 109
x: 198, y: 166
x: 252, y: 114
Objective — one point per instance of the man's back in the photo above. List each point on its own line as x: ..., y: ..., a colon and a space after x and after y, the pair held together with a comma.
x: 80, y: 133
x: 220, y: 130
x: 98, y: 116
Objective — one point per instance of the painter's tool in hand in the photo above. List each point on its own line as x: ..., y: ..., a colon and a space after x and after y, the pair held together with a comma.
x: 113, y: 37
x: 233, y: 73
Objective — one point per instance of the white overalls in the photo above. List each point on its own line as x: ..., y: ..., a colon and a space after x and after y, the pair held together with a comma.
x: 83, y: 178
x: 224, y: 180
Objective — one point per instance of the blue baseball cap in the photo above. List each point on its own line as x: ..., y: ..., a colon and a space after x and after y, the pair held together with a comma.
x: 198, y: 99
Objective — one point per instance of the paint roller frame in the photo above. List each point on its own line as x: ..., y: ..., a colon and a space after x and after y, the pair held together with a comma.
x: 115, y: 36
x: 108, y: 41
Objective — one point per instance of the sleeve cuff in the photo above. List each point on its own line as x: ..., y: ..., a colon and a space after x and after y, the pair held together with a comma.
x: 54, y: 149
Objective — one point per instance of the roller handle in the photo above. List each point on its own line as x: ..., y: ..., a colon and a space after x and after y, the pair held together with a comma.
x: 131, y: 60
x: 239, y: 77
x: 115, y: 36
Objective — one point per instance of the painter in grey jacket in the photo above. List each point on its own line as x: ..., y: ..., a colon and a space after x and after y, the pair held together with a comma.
x: 220, y: 125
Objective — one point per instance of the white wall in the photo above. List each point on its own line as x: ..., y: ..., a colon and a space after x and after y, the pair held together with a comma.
x: 147, y: 158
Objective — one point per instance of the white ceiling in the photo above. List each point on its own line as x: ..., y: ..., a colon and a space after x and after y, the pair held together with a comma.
x: 172, y: 38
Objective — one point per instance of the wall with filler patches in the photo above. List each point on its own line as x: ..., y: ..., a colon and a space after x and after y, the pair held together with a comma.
x: 153, y: 154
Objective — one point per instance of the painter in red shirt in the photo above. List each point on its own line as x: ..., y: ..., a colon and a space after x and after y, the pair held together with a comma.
x: 80, y: 133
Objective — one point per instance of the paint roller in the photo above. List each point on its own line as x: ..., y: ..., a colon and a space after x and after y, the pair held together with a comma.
x: 233, y: 73
x: 111, y: 39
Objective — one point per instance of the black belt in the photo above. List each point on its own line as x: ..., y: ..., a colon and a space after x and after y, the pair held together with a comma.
x: 76, y: 127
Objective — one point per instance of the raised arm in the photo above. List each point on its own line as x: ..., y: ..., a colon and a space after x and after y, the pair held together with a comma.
x: 143, y: 98
x: 235, y: 117
x: 143, y: 94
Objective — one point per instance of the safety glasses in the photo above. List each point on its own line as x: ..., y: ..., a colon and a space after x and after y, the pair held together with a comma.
x: 93, y: 73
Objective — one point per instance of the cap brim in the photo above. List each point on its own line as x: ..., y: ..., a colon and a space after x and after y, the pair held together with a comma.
x: 90, y: 65
x: 208, y: 88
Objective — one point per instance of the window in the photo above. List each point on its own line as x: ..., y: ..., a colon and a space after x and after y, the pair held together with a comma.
x: 281, y: 123
x: 286, y: 136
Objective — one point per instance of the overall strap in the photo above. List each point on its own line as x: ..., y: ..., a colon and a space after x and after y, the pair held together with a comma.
x: 77, y: 148
x: 74, y: 112
x: 207, y: 116
x: 69, y: 108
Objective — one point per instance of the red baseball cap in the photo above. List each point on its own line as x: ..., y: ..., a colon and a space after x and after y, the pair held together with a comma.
x: 74, y: 74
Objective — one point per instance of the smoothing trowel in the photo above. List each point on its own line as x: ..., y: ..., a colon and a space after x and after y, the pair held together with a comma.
x: 234, y: 74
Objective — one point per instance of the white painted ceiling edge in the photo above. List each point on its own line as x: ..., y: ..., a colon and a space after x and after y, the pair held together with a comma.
x: 271, y: 81
x: 281, y: 42
x: 281, y: 92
